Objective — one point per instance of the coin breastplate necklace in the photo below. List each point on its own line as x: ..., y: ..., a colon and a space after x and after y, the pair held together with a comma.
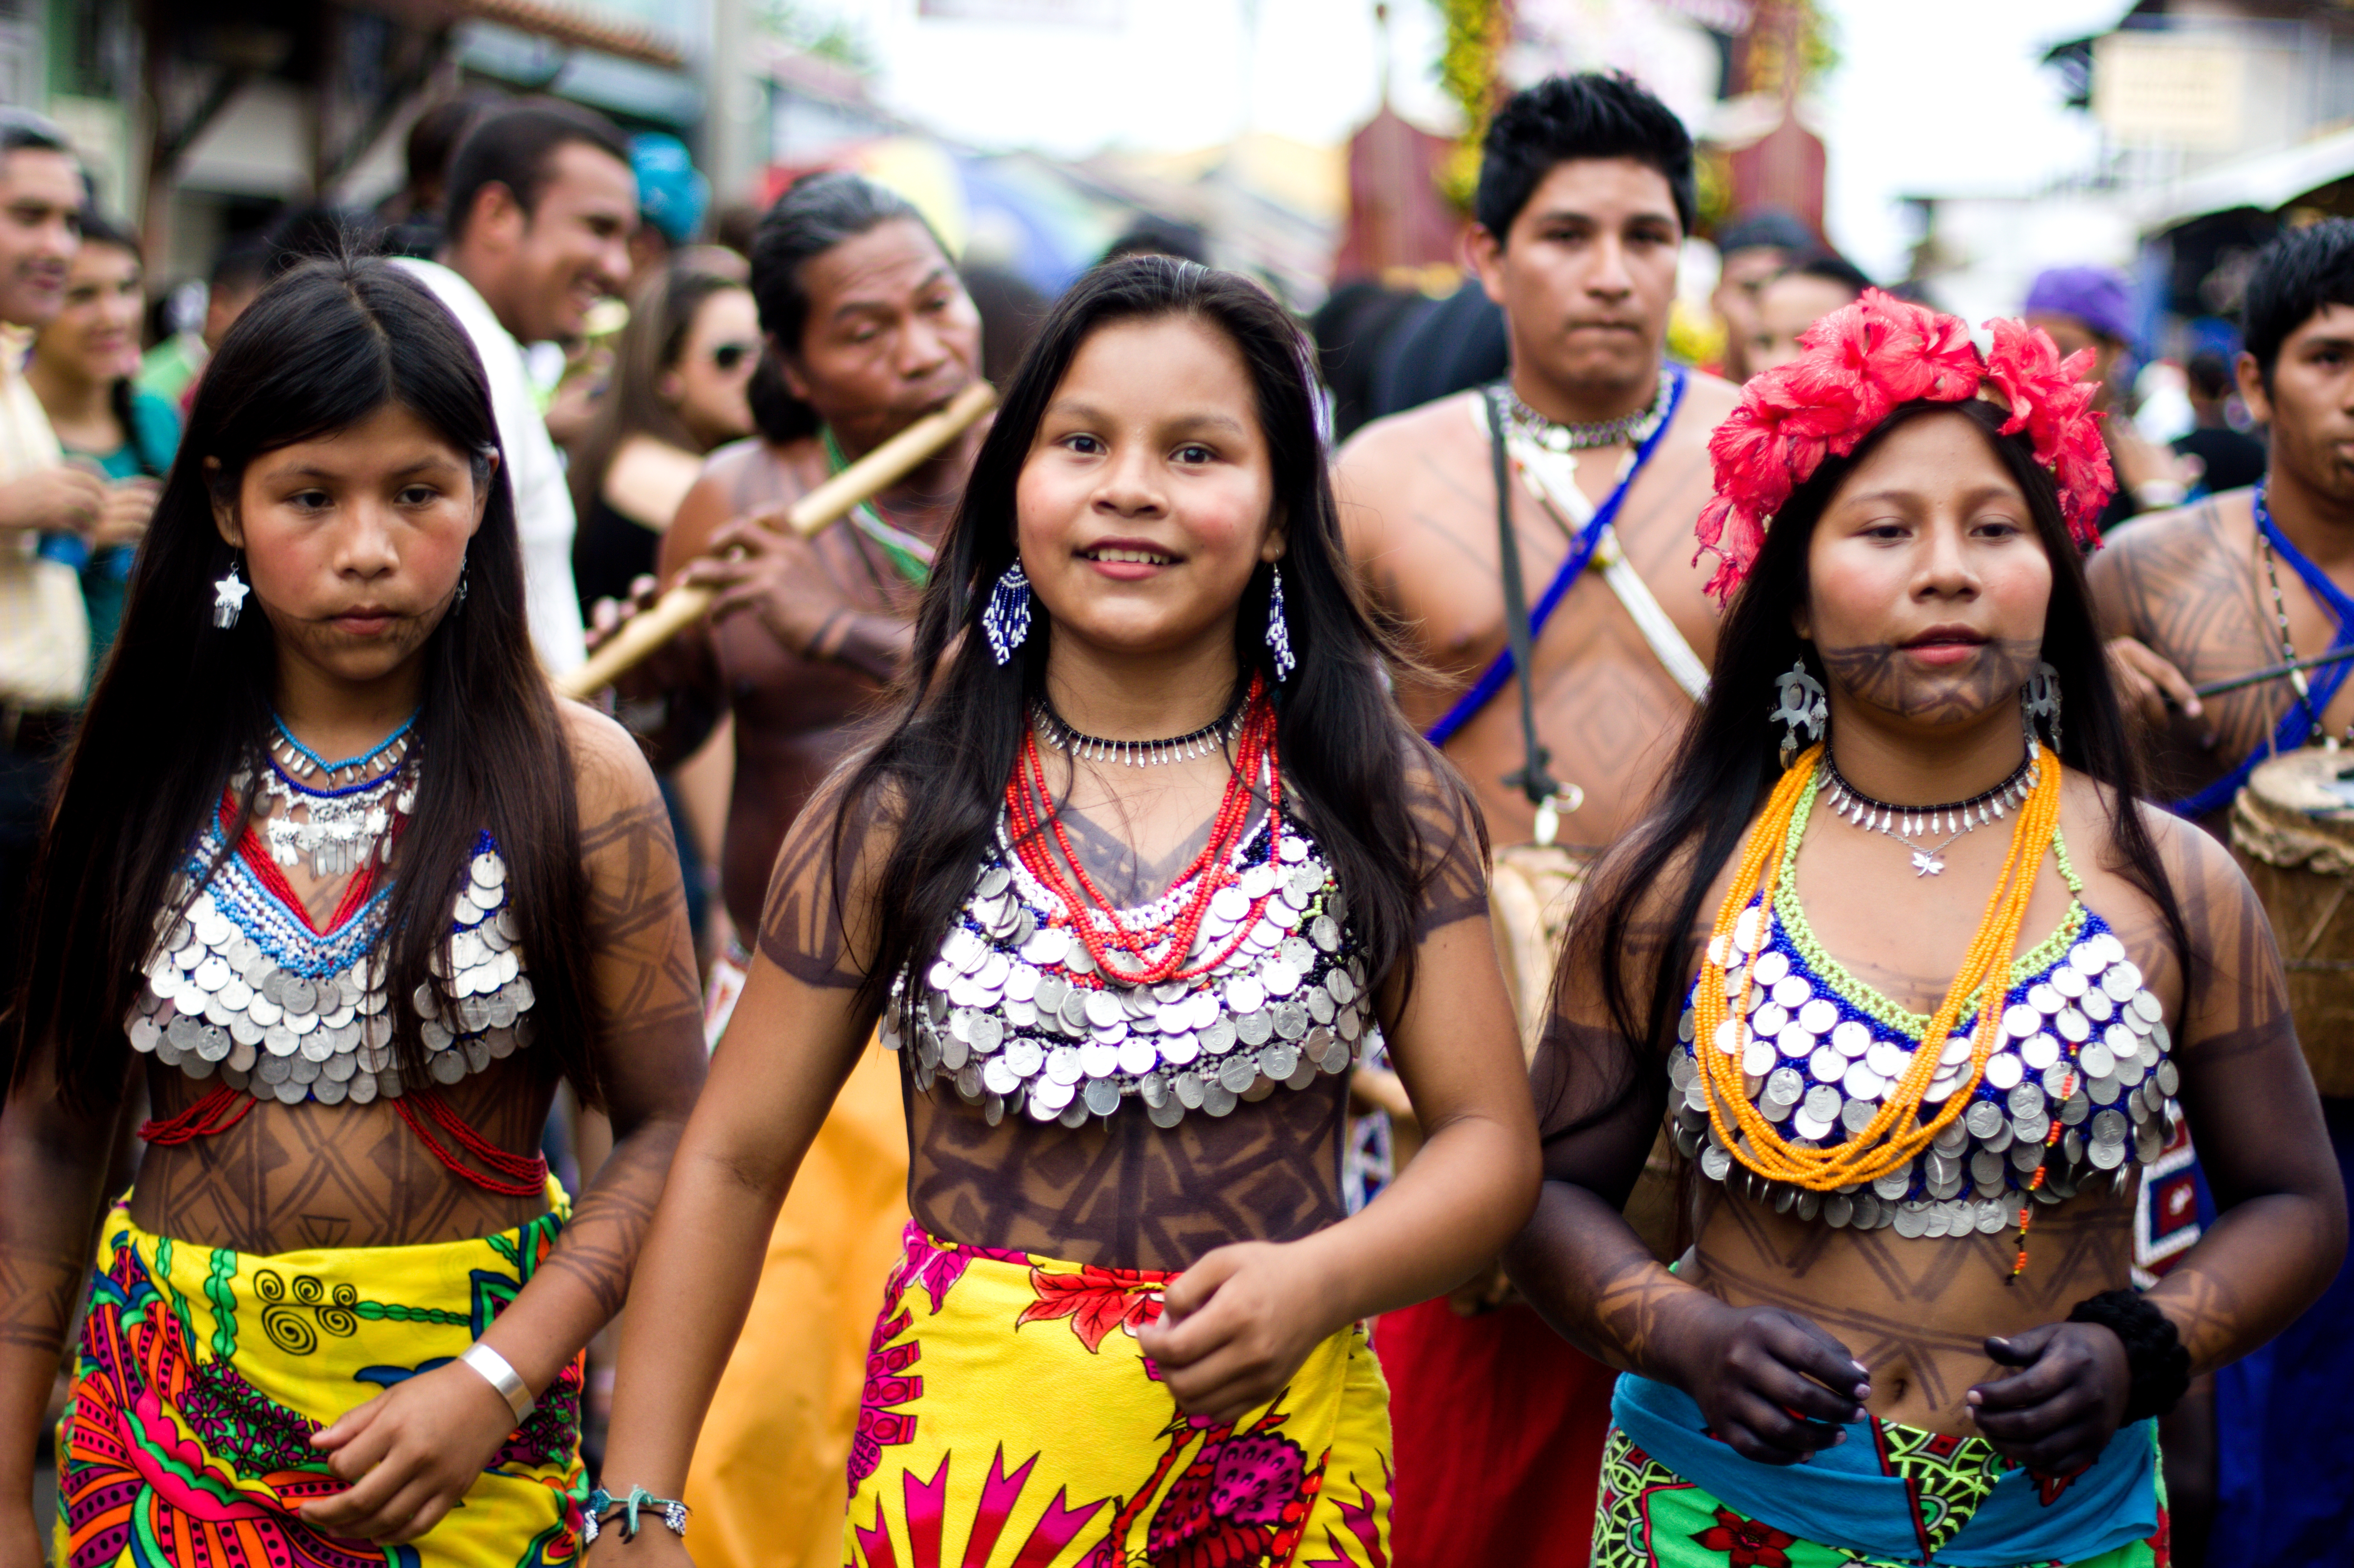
x: 241, y: 982
x: 1044, y: 999
x: 2077, y: 1078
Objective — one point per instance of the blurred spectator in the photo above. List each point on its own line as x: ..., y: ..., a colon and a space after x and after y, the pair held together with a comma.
x: 1153, y: 235
x: 541, y: 205
x: 1796, y: 299
x: 2091, y: 307
x: 414, y: 211
x: 1440, y: 349
x: 672, y: 198
x: 1009, y: 313
x: 2227, y: 458
x: 734, y: 225
x: 44, y: 631
x: 678, y: 390
x: 1349, y: 329
x: 82, y: 368
x: 240, y: 269
x: 1752, y: 250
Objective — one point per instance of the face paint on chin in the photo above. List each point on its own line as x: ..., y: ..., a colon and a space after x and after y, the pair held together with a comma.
x: 1878, y: 675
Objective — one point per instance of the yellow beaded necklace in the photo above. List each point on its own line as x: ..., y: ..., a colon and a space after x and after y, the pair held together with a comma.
x: 1896, y: 1134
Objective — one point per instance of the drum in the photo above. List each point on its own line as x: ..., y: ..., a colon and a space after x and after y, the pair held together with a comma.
x: 2293, y: 833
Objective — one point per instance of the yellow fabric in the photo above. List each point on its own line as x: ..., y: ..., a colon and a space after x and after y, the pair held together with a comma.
x: 202, y: 1374
x: 1009, y: 1421
x: 766, y: 1484
x: 44, y: 629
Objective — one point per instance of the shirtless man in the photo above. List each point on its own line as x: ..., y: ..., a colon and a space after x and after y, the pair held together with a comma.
x: 872, y: 330
x: 1585, y: 194
x: 2188, y: 597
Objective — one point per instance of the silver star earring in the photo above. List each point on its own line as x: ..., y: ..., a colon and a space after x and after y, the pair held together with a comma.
x: 229, y: 596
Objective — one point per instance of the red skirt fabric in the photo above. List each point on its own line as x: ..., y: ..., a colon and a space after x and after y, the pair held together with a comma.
x: 1497, y: 1424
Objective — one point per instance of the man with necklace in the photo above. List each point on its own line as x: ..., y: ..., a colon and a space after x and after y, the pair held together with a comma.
x: 869, y: 329
x: 2239, y: 583
x: 1586, y: 195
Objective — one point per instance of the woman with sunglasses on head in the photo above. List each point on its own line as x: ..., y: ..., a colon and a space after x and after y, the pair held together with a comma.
x: 677, y: 392
x: 1919, y: 986
x: 334, y: 876
x: 1146, y: 857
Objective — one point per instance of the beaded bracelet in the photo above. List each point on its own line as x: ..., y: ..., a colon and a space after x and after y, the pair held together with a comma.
x: 2155, y: 1357
x: 602, y: 1502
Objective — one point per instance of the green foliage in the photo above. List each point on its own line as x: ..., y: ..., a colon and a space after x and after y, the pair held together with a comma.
x: 815, y: 31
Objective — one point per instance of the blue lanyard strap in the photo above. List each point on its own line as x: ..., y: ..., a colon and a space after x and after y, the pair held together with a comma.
x: 1589, y: 539
x: 2296, y: 724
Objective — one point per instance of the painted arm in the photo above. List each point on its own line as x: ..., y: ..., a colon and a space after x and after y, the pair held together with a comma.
x: 792, y: 1041
x: 412, y: 1452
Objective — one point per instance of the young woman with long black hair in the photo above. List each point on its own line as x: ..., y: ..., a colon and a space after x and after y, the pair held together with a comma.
x: 1145, y: 858
x: 1905, y: 1330
x: 328, y: 859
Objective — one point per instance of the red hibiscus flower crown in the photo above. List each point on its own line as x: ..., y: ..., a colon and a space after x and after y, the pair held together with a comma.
x: 1858, y: 363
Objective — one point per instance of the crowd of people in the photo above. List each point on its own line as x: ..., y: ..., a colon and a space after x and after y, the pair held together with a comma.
x: 1433, y: 937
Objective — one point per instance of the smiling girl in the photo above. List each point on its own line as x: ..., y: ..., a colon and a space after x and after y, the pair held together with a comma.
x: 1921, y: 1003
x: 340, y: 883
x: 1145, y: 860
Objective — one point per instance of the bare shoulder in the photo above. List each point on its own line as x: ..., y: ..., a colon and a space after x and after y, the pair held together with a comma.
x: 608, y: 769
x: 1708, y: 399
x: 739, y: 477
x: 2161, y: 547
x: 1393, y: 449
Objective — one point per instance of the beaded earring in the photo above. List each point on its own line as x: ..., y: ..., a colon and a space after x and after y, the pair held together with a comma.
x: 1804, y: 706
x: 1005, y: 620
x: 465, y: 565
x: 1278, y: 630
x: 229, y: 596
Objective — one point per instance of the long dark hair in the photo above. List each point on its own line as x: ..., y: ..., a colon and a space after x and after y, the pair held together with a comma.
x: 1728, y: 760
x: 954, y: 741
x: 182, y: 704
x: 661, y: 316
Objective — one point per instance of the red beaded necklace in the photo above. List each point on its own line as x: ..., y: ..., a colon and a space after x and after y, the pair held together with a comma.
x: 1031, y: 807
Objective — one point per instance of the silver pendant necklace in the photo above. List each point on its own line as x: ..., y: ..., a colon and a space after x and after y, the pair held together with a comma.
x: 1214, y: 736
x: 1904, y: 823
x: 348, y: 808
x: 1627, y: 430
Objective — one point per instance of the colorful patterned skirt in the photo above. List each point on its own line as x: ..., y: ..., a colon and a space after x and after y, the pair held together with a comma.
x: 1675, y: 1497
x: 1010, y: 1422
x: 202, y: 1374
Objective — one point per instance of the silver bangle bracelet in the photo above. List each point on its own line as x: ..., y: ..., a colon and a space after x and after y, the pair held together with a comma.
x: 502, y: 1377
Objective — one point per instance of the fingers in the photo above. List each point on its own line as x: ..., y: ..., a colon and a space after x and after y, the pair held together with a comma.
x: 1803, y: 1346
x: 2041, y: 1375
x: 385, y: 1514
x: 744, y: 535
x: 1756, y: 1430
x: 645, y: 589
x: 347, y: 1427
x: 1223, y: 1387
x: 1190, y: 1291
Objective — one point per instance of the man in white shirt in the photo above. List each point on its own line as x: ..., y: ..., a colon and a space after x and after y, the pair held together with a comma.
x: 541, y: 205
x: 44, y: 629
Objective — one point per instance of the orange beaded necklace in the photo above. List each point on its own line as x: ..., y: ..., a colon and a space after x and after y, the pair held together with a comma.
x: 1896, y: 1134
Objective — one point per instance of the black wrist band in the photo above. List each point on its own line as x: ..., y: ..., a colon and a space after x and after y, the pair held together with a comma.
x: 817, y: 642
x: 2159, y: 1366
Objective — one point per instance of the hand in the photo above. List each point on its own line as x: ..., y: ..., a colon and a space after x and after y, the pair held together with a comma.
x: 754, y: 565
x: 67, y: 499
x: 2155, y: 688
x: 409, y: 1453
x: 130, y: 503
x: 1236, y: 1327
x: 1774, y: 1386
x: 675, y: 666
x: 21, y: 1538
x: 2058, y: 1414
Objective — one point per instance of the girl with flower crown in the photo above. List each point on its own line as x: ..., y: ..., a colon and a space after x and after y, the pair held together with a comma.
x: 1919, y: 990
x: 1146, y: 859
x: 337, y: 890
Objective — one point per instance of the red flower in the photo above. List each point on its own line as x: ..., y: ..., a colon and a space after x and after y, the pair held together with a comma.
x: 1746, y: 1542
x: 1096, y: 1301
x: 1858, y: 364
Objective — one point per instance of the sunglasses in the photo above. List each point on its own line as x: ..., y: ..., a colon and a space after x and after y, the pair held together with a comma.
x: 728, y: 355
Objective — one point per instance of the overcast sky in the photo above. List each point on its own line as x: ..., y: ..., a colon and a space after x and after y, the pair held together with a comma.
x: 1932, y: 96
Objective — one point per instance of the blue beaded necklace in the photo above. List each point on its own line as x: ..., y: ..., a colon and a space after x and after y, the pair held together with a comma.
x: 349, y: 765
